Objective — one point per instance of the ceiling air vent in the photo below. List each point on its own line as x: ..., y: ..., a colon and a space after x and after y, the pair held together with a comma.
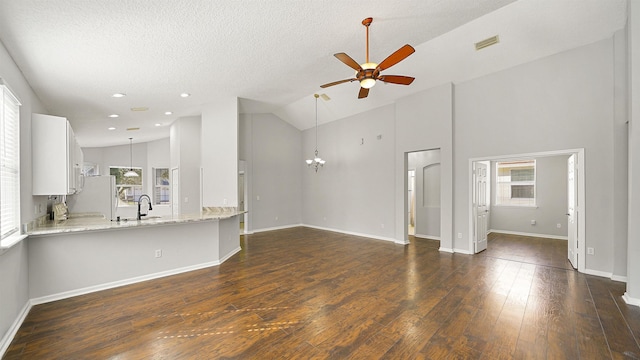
x: 133, y: 128
x: 487, y: 42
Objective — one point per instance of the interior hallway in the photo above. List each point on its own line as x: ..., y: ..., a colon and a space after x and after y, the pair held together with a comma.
x: 308, y: 293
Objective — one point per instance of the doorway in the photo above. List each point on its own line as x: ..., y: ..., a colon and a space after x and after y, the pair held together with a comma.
x: 424, y: 194
x: 569, y: 163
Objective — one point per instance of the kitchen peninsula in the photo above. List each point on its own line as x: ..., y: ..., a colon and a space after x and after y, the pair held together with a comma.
x: 86, y: 253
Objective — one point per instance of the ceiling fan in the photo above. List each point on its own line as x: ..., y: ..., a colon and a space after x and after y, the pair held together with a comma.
x: 368, y: 73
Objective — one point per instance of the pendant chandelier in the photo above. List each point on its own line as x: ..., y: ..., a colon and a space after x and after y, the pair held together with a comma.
x: 316, y: 162
x: 131, y: 173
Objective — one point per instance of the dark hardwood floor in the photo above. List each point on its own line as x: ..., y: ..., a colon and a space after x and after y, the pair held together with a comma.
x: 303, y: 293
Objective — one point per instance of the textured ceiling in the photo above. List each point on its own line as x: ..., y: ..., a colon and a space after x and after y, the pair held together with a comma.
x: 273, y: 55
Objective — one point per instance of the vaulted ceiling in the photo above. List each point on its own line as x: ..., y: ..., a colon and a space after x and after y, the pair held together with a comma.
x: 273, y: 55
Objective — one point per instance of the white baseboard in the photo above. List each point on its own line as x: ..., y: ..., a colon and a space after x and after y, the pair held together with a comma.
x: 546, y: 236
x: 356, y: 234
x: 449, y: 250
x: 13, y: 330
x: 119, y: 283
x: 462, y: 251
x: 429, y: 237
x: 275, y: 228
x: 598, y: 273
x: 630, y: 300
x: 230, y: 254
x: 619, y: 278
x: 11, y: 333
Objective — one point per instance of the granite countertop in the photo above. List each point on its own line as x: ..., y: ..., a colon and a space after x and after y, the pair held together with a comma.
x: 93, y: 222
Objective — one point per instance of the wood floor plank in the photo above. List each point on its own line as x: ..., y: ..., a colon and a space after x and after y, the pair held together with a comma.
x: 303, y: 293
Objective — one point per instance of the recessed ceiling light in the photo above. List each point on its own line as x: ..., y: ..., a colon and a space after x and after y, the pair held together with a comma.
x: 158, y: 124
x: 168, y: 112
x: 114, y: 115
x: 119, y: 95
x: 112, y: 128
x: 185, y: 94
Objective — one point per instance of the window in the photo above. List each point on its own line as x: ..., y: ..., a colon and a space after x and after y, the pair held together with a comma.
x: 129, y: 188
x: 161, y: 186
x: 516, y: 183
x: 9, y: 164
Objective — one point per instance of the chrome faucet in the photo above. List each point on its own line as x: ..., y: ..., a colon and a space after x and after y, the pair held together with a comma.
x: 140, y: 202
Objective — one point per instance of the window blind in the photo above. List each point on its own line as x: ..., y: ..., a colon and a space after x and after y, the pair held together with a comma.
x: 9, y: 163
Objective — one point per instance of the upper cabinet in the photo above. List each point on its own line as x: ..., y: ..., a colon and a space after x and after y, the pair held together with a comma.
x: 56, y: 156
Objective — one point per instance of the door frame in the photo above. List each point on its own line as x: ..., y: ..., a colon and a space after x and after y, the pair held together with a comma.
x: 581, y: 192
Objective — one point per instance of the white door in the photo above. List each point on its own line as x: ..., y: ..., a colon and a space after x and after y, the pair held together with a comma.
x: 572, y: 212
x: 480, y: 207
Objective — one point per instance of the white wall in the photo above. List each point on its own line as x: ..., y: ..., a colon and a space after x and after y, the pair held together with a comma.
x: 272, y: 150
x: 565, y: 101
x: 14, y: 262
x: 633, y: 284
x: 354, y: 191
x: 219, y: 153
x: 551, y: 202
x: 424, y: 121
x: 184, y: 144
x: 64, y: 265
x: 427, y: 192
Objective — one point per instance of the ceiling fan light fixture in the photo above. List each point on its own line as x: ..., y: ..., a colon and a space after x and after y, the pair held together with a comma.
x: 369, y: 66
x: 368, y: 74
x: 367, y: 82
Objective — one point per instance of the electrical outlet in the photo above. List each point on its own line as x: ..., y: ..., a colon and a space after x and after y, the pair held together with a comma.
x: 186, y: 199
x: 533, y: 222
x: 276, y: 218
x: 590, y: 251
x: 459, y: 235
x: 224, y: 201
x: 559, y: 225
x: 159, y: 253
x: 258, y: 197
x: 382, y: 226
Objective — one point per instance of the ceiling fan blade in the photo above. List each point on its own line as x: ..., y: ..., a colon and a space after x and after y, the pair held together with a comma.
x: 397, y: 79
x: 337, y: 82
x: 363, y: 93
x: 348, y: 60
x: 396, y: 57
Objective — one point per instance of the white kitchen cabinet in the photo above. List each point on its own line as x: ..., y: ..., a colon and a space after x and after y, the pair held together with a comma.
x: 56, y: 156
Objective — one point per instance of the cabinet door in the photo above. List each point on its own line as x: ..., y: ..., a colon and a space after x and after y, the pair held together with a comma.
x: 50, y: 155
x: 71, y: 156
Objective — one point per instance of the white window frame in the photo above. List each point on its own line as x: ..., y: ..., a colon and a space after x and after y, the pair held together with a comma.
x: 157, y: 187
x: 140, y: 172
x: 10, y: 232
x: 500, y: 201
